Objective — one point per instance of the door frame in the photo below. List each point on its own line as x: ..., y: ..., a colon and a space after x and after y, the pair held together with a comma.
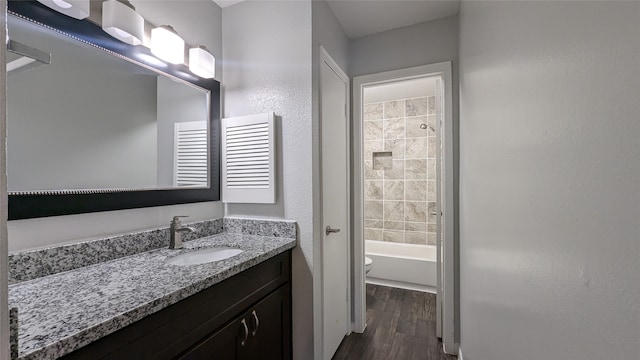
x: 442, y: 69
x: 319, y: 318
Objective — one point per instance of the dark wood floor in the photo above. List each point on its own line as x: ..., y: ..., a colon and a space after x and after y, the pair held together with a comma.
x: 401, y: 325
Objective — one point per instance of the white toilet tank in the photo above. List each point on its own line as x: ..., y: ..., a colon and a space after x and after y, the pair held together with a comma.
x: 368, y: 264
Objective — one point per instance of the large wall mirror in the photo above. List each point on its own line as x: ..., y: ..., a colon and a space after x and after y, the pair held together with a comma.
x: 102, y: 125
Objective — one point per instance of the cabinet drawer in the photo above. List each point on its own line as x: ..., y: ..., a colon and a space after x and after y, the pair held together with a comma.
x: 169, y: 332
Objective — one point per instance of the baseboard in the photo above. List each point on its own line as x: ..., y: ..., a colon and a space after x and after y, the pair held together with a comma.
x: 401, y: 285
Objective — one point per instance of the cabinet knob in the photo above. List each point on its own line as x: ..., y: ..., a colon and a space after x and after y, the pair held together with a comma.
x: 257, y: 322
x: 245, y: 330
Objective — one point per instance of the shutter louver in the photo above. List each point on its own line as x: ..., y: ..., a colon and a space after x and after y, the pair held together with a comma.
x: 191, y: 155
x: 248, y: 164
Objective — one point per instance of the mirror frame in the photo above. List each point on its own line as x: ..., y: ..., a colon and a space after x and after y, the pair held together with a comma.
x: 25, y: 205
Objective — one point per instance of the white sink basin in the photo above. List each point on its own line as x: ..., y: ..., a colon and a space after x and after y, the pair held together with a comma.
x: 204, y: 256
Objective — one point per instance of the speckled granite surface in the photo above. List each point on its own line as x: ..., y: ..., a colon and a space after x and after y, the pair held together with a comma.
x: 278, y: 228
x: 65, y: 311
x: 33, y: 264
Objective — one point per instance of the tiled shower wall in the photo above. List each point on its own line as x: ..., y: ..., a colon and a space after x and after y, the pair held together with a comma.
x: 400, y: 176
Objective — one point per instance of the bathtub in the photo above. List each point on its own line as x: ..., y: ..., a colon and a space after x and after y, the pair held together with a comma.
x: 405, y: 266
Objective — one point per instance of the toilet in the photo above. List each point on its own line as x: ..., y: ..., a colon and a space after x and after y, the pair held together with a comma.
x: 368, y: 263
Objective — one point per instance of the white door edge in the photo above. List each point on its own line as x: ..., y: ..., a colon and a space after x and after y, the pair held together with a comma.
x: 324, y: 56
x: 449, y: 294
x: 359, y: 292
x: 439, y: 229
x: 328, y: 60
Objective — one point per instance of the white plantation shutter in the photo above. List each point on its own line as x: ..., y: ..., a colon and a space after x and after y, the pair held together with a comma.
x: 190, y: 154
x: 248, y: 159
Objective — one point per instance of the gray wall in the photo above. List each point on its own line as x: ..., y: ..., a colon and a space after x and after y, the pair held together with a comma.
x: 425, y: 43
x: 198, y: 22
x: 268, y: 68
x: 328, y: 33
x: 63, y: 130
x: 549, y: 180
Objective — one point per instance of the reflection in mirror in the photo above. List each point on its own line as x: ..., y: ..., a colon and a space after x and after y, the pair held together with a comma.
x: 94, y: 121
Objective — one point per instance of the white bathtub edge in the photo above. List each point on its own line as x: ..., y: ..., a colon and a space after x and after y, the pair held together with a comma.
x: 401, y: 250
x: 401, y: 285
x: 417, y: 258
x: 403, y: 270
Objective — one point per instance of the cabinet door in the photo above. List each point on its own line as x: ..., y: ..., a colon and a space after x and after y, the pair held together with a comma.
x: 224, y: 344
x: 269, y: 328
x: 262, y: 332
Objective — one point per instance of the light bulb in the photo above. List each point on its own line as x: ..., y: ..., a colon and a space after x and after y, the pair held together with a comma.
x: 202, y: 63
x: 77, y: 9
x: 122, y: 22
x: 167, y: 45
x: 62, y: 4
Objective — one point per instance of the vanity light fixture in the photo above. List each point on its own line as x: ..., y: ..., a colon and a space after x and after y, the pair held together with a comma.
x: 202, y: 63
x: 167, y: 45
x: 78, y: 9
x: 121, y: 21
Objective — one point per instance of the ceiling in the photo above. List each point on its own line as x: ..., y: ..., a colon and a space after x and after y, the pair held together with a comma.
x: 366, y: 17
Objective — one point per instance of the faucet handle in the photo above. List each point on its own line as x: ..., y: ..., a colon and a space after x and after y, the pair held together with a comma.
x: 176, y: 219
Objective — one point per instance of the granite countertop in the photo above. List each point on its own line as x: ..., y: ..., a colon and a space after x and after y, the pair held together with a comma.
x: 63, y: 312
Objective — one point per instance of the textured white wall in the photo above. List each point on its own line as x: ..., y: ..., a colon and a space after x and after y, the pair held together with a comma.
x: 549, y: 180
x: 199, y: 22
x: 326, y: 32
x: 48, y: 231
x: 268, y: 67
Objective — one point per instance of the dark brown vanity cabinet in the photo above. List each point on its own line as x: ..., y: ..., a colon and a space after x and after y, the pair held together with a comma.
x: 256, y: 334
x: 247, y: 316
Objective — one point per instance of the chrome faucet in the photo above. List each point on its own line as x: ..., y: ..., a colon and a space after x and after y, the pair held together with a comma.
x: 177, y: 229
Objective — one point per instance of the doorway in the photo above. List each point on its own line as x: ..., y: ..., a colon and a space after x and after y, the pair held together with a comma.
x: 403, y: 187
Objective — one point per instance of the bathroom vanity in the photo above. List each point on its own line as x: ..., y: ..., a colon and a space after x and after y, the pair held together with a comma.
x: 247, y: 316
x: 142, y: 306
